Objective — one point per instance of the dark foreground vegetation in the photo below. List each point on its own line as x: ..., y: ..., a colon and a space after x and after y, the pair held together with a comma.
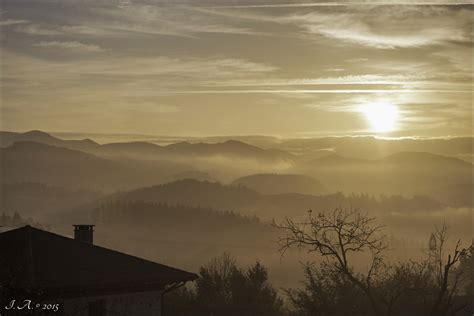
x: 226, y: 289
x: 439, y: 285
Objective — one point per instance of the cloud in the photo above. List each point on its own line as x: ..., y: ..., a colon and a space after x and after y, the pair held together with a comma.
x: 50, y: 30
x: 213, y: 58
x: 388, y: 27
x: 131, y: 19
x: 409, y: 82
x: 86, y: 30
x: 73, y: 45
x: 135, y: 72
x: 35, y: 29
x: 365, y: 79
x: 187, y: 67
x: 177, y: 21
x: 348, y: 3
x: 313, y: 91
x: 155, y: 76
x: 12, y: 22
x: 460, y: 60
x: 370, y: 24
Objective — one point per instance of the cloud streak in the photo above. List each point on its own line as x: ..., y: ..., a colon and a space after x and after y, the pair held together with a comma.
x: 163, y: 20
x: 35, y: 29
x: 136, y: 19
x: 144, y: 69
x: 376, y: 26
x: 347, y: 4
x: 8, y: 22
x: 387, y: 28
x: 73, y: 46
x: 313, y: 91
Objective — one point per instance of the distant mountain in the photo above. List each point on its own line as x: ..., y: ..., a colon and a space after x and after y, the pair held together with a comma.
x: 9, y: 138
x: 424, y: 159
x: 363, y: 147
x: 140, y: 150
x: 37, y: 162
x: 282, y: 183
x: 230, y: 148
x: 417, y: 159
x: 109, y: 167
x: 370, y: 147
x: 144, y: 150
x: 52, y: 165
x: 406, y: 173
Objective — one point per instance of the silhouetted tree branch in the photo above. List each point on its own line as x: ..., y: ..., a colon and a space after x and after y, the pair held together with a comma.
x: 336, y: 235
x: 444, y: 299
x: 429, y: 287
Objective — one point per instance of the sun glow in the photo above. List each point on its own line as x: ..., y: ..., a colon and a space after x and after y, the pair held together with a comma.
x: 382, y: 116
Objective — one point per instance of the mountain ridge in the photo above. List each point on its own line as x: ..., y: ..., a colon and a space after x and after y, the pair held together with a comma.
x: 230, y: 148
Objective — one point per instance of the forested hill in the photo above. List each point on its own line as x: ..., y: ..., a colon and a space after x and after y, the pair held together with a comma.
x: 148, y: 215
x: 246, y: 201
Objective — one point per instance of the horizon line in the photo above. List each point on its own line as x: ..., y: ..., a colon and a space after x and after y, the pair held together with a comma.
x: 359, y: 135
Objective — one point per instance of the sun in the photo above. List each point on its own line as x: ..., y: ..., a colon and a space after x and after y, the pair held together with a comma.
x: 382, y: 115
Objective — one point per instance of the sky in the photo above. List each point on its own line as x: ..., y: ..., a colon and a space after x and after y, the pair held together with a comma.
x: 230, y: 67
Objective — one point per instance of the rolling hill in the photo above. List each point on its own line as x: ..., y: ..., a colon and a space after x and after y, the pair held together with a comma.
x: 57, y: 166
x: 246, y: 201
x: 144, y: 150
x: 423, y: 159
x: 9, y: 138
x: 370, y: 147
x: 406, y: 173
x: 123, y: 166
x: 403, y: 159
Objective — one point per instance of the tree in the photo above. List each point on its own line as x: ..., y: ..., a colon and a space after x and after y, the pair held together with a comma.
x: 326, y: 292
x: 225, y: 289
x: 443, y: 266
x: 430, y: 287
x: 336, y: 236
x: 466, y: 267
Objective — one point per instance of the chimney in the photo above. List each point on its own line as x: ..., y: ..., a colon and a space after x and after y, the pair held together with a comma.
x: 84, y: 233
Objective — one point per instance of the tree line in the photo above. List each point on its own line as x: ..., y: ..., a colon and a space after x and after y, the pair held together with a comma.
x: 438, y: 285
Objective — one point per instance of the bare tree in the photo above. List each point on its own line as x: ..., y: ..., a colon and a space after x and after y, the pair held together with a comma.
x: 336, y: 236
x: 429, y: 287
x: 446, y: 277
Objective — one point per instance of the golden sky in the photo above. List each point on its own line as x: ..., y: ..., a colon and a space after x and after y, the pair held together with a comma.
x: 223, y: 67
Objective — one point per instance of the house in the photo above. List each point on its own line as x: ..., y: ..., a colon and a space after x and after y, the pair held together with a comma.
x: 76, y: 277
